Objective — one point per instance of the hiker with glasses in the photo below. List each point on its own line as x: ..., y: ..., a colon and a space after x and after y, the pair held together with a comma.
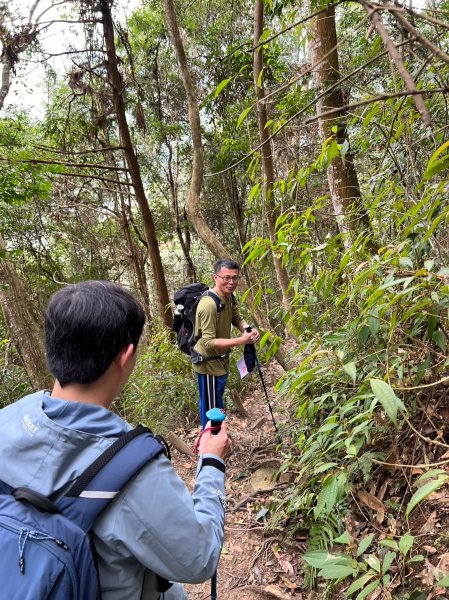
x: 153, y: 532
x: 213, y: 335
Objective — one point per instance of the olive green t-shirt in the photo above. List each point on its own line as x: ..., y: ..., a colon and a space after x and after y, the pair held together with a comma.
x: 208, y: 327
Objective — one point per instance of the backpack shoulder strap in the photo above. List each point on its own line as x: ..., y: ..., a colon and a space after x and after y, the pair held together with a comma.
x: 218, y: 301
x: 102, y: 481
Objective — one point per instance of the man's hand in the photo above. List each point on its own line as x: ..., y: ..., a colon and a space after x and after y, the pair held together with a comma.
x: 218, y: 444
x: 249, y: 337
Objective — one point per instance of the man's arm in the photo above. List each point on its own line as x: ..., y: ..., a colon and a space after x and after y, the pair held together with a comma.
x: 207, y: 316
x: 169, y: 531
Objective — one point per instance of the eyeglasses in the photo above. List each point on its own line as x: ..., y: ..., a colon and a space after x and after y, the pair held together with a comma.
x: 228, y: 279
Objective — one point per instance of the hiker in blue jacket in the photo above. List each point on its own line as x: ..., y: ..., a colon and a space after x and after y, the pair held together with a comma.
x: 155, y: 529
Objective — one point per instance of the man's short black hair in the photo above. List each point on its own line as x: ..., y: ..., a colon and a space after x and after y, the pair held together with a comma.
x: 87, y: 324
x: 225, y: 263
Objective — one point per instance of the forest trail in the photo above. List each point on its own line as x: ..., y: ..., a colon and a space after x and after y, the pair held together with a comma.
x: 255, y: 563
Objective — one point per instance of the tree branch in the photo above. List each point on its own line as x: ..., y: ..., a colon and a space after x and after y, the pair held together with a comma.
x: 397, y: 60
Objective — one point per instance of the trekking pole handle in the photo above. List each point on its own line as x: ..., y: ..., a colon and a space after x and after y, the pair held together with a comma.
x: 216, y: 418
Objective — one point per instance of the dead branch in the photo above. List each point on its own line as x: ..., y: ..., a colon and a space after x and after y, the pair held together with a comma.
x: 36, y: 161
x: 268, y: 590
x: 96, y: 177
x: 335, y: 111
x: 179, y: 444
x: 239, y: 404
x: 421, y: 38
x: 397, y: 60
x: 77, y: 152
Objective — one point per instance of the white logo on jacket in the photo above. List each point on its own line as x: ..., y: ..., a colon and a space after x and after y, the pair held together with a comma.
x: 29, y: 426
x: 218, y: 493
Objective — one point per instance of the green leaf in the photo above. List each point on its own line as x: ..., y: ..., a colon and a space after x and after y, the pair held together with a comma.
x: 344, y: 538
x: 319, y: 558
x: 406, y: 543
x: 416, y: 558
x: 443, y: 582
x: 388, y: 561
x: 429, y: 475
x: 418, y: 595
x: 373, y: 562
x: 328, y: 496
x: 437, y: 163
x: 386, y: 396
x: 432, y: 322
x: 364, y: 544
x: 373, y: 322
x: 333, y: 571
x: 440, y: 339
x: 264, y: 339
x: 425, y: 491
x: 359, y: 583
x: 324, y: 467
x: 243, y: 116
x: 369, y: 588
x: 351, y: 370
x: 221, y: 86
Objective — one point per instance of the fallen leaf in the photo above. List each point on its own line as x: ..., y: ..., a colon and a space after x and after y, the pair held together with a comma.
x: 275, y: 550
x: 257, y: 574
x: 443, y: 563
x: 373, y: 503
x: 276, y: 592
x: 286, y: 567
x: 290, y: 584
x: 430, y: 523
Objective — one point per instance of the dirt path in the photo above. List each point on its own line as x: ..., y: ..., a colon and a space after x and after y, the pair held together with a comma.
x: 255, y: 562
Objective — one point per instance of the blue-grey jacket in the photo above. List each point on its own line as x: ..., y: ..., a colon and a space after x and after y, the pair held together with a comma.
x: 154, y: 526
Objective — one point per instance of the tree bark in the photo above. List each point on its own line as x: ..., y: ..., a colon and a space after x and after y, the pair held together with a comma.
x: 118, y: 87
x: 24, y: 323
x: 341, y: 174
x: 267, y: 156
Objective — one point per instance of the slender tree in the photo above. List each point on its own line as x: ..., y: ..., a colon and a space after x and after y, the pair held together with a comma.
x: 118, y: 89
x: 266, y: 150
x: 24, y: 322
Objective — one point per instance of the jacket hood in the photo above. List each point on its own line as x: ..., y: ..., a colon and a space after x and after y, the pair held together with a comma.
x: 46, y: 443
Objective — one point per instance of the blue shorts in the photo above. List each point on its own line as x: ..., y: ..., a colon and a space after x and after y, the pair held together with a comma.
x: 211, y: 388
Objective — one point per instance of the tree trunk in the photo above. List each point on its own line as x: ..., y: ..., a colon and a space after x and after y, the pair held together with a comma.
x: 118, y: 87
x: 193, y: 206
x: 267, y: 156
x: 341, y: 174
x: 24, y: 323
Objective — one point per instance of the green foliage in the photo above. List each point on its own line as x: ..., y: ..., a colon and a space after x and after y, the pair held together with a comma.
x: 370, y: 570
x: 162, y: 392
x: 13, y: 379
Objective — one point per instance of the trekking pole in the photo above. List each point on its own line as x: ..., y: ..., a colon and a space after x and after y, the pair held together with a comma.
x: 216, y: 418
x: 252, y: 356
x: 278, y: 436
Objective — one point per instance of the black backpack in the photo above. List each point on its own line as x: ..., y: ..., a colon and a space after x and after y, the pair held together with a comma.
x: 186, y: 300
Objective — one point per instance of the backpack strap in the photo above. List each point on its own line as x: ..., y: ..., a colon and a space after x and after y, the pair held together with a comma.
x: 102, y: 481
x: 218, y: 301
